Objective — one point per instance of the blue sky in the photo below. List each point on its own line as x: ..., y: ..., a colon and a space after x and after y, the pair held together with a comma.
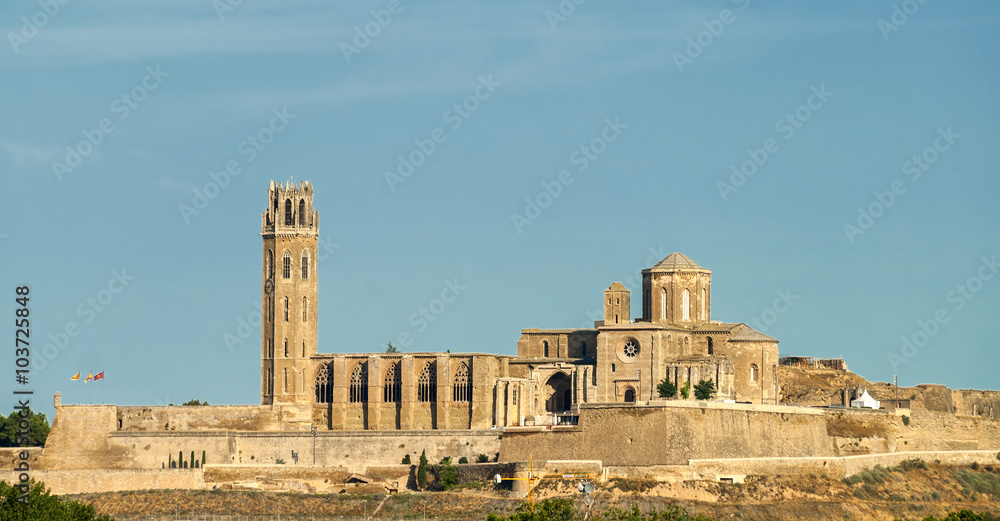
x: 822, y: 103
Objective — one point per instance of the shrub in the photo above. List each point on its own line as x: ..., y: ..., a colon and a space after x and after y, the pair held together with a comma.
x: 482, y: 458
x: 406, y: 460
x: 910, y: 464
x: 976, y: 482
x: 667, y: 389
x: 447, y: 475
x: 704, y: 389
x: 42, y: 505
x: 279, y: 461
x: 463, y: 460
x: 906, y: 420
x: 637, y: 485
x: 686, y: 390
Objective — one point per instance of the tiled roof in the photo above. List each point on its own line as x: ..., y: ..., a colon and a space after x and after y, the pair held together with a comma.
x: 677, y: 261
x: 745, y: 333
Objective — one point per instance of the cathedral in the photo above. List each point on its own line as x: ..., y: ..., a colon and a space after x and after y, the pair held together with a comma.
x: 620, y: 360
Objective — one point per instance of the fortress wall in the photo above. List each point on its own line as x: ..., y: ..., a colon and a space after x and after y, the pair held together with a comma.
x: 231, y: 473
x: 212, y: 418
x: 668, y: 433
x: 982, y: 403
x: 835, y: 467
x: 77, y: 438
x: 110, y: 480
x: 937, y: 431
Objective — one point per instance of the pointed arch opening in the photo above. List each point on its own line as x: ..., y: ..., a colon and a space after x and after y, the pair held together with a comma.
x: 286, y: 265
x: 305, y: 264
x: 324, y: 384
x: 392, y: 388
x: 461, y: 389
x: 427, y: 383
x: 686, y: 305
x: 288, y: 213
x: 302, y: 212
x: 359, y: 383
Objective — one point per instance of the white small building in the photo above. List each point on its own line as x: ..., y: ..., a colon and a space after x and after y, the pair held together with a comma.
x: 865, y: 400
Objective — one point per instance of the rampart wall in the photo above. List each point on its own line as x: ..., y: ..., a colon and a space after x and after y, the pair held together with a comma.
x: 671, y: 433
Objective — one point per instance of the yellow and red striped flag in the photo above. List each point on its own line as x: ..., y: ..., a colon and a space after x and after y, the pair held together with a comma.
x: 89, y: 377
x: 76, y: 376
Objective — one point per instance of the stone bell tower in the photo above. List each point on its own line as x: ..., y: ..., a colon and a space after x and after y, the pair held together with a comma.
x: 290, y: 229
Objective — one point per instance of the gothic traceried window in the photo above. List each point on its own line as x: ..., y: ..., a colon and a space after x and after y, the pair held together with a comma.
x: 302, y: 212
x: 392, y: 389
x: 286, y: 265
x: 427, y: 383
x: 305, y: 264
x: 359, y: 383
x: 324, y: 384
x: 462, y: 385
x: 288, y: 213
x: 754, y: 372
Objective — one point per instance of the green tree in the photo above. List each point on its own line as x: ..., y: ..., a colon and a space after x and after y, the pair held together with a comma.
x: 463, y: 460
x: 447, y: 475
x: 42, y: 506
x: 194, y: 402
x: 422, y: 470
x: 483, y: 458
x: 667, y: 389
x: 704, y: 389
x: 406, y: 459
x: 686, y: 390
x: 552, y: 509
x: 38, y: 429
x: 389, y: 348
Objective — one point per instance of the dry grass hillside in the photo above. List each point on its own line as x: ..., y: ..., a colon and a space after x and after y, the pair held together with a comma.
x: 912, y: 490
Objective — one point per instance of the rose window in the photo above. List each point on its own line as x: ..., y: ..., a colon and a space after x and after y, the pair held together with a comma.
x: 631, y: 349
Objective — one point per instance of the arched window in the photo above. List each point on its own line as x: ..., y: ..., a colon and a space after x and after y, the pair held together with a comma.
x: 545, y: 348
x: 286, y: 348
x: 427, y: 383
x: 704, y: 302
x: 686, y: 305
x: 305, y: 309
x: 269, y: 267
x: 286, y: 309
x: 288, y: 212
x: 612, y: 368
x: 359, y: 383
x: 629, y: 395
x: 305, y: 264
x: 754, y: 372
x: 302, y: 212
x: 286, y: 265
x: 391, y: 391
x: 462, y: 385
x: 663, y: 304
x: 711, y: 348
x: 324, y: 384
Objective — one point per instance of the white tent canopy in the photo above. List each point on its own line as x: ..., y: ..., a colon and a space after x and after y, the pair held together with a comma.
x: 865, y: 400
